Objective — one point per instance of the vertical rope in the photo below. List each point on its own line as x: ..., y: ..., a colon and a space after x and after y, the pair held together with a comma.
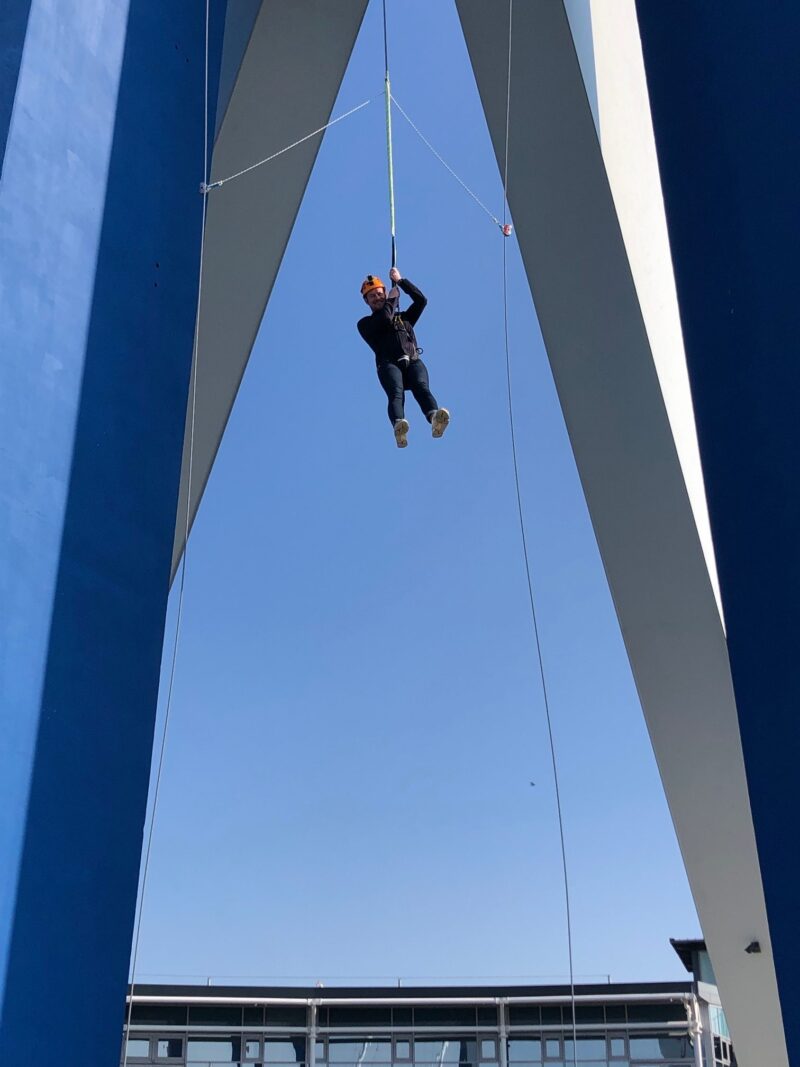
x: 179, y: 615
x: 534, y: 618
x: 388, y: 97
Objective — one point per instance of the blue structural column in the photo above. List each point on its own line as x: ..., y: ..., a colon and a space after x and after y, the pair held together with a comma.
x: 725, y: 96
x: 101, y: 105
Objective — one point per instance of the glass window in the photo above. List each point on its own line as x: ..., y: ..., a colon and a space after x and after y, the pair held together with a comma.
x: 719, y: 1024
x: 340, y: 1050
x: 169, y: 1048
x: 552, y: 1048
x: 252, y: 1048
x: 214, y: 1050
x: 524, y: 1050
x: 287, y: 1015
x: 215, y: 1015
x: 159, y: 1014
x: 616, y: 1048
x: 467, y: 1051
x: 525, y: 1014
x: 360, y: 1015
x: 285, y: 1049
x: 436, y: 1052
x: 590, y: 1050
x: 402, y: 1050
x: 656, y: 1013
x: 359, y: 1052
x: 444, y: 1015
x: 659, y: 1047
x: 488, y: 1049
x: 589, y: 1013
x: 320, y: 1051
x: 138, y: 1046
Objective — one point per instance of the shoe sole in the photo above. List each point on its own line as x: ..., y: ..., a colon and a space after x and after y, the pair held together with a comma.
x: 401, y: 433
x: 440, y: 424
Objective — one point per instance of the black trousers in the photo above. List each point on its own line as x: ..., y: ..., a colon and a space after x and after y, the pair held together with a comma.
x: 396, y: 380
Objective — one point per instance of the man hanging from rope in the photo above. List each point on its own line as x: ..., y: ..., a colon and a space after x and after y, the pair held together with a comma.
x: 389, y: 332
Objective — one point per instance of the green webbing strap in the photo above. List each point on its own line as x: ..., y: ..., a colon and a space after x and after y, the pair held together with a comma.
x: 388, y: 95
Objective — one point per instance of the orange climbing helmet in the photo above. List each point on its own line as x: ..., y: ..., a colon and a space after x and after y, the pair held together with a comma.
x: 371, y: 282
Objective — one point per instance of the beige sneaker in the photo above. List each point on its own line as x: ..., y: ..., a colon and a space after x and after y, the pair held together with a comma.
x: 440, y: 421
x: 401, y: 429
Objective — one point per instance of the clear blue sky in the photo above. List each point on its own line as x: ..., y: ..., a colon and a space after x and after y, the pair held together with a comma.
x: 357, y: 713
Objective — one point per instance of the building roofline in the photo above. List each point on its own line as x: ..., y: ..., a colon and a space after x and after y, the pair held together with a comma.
x: 686, y: 947
x: 321, y: 994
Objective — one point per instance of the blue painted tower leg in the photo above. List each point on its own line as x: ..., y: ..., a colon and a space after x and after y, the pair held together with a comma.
x: 725, y: 96
x: 101, y: 106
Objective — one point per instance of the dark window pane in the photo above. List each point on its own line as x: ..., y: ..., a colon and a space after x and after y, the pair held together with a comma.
x: 214, y: 1050
x: 444, y: 1015
x: 169, y: 1048
x: 524, y: 1015
x: 286, y: 1015
x: 656, y: 1013
x: 487, y: 1016
x: 590, y: 1013
x: 615, y: 1013
x: 524, y: 1050
x: 551, y: 1015
x: 360, y: 1016
x: 254, y: 1016
x: 467, y: 1051
x: 215, y: 1015
x: 159, y: 1014
x: 401, y: 1016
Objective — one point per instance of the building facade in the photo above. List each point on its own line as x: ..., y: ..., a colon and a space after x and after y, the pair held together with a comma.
x: 667, y: 1024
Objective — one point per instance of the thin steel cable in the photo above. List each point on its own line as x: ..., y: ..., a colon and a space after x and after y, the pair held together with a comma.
x: 534, y: 618
x: 205, y: 187
x: 445, y: 164
x: 182, y: 585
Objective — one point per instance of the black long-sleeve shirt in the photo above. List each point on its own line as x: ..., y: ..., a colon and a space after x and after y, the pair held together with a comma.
x: 390, y: 332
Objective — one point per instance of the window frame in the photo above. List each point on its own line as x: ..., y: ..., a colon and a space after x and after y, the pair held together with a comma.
x: 154, y: 1056
x: 138, y: 1059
